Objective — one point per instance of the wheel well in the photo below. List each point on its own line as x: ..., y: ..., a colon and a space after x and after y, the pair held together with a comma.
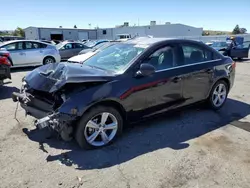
x: 225, y: 80
x: 221, y: 79
x: 113, y: 104
x: 48, y: 57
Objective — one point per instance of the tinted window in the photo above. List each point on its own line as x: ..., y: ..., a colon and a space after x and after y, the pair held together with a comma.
x: 78, y: 45
x: 67, y: 46
x: 162, y: 58
x: 196, y: 54
x: 14, y: 46
x: 10, y: 47
x: 39, y: 45
x: 28, y: 45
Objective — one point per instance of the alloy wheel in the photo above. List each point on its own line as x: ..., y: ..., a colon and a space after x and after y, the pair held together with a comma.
x: 48, y: 61
x: 101, y: 129
x: 219, y: 95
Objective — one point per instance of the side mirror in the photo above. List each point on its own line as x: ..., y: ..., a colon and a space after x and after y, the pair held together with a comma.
x: 145, y: 70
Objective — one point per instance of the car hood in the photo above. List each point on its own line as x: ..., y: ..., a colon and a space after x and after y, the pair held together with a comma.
x: 82, y: 57
x: 52, y: 77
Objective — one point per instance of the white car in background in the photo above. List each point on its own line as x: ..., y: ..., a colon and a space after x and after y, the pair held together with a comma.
x: 30, y: 52
x: 86, y: 54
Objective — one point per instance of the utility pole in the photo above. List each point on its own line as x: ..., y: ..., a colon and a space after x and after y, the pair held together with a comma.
x: 138, y: 22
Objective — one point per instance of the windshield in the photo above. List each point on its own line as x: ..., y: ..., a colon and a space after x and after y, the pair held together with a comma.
x: 98, y: 46
x: 90, y: 44
x: 114, y: 58
x: 219, y: 44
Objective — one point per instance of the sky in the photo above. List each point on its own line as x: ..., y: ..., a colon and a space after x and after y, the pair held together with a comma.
x: 211, y: 15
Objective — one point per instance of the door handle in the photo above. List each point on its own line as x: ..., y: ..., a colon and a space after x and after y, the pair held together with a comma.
x: 22, y: 53
x: 176, y: 79
x: 41, y: 51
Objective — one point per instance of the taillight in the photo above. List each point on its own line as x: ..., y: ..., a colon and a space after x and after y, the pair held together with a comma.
x: 5, y: 61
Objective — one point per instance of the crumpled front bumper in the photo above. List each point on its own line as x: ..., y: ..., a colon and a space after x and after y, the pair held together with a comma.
x: 29, y: 104
x: 42, y: 111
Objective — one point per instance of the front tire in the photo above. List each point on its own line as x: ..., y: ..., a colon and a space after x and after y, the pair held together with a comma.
x: 99, y: 127
x: 218, y: 95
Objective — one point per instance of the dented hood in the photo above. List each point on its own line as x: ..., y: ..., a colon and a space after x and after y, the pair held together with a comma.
x: 52, y: 77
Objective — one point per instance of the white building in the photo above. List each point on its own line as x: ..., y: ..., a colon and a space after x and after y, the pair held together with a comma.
x: 167, y: 30
x: 34, y: 33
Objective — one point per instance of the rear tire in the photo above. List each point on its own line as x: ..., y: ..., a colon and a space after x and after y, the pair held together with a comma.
x: 48, y: 60
x: 218, y: 95
x: 92, y: 133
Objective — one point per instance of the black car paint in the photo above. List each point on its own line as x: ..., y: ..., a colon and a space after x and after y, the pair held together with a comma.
x: 136, y: 97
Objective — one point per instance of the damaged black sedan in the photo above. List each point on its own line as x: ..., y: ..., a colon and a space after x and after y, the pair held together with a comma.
x: 124, y: 83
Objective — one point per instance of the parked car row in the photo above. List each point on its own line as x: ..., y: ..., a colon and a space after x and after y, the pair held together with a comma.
x: 121, y: 83
x: 34, y: 52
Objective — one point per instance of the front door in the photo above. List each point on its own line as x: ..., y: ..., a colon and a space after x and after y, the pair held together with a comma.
x: 66, y: 51
x: 160, y: 91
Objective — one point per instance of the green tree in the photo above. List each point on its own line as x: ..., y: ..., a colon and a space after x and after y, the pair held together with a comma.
x: 243, y: 30
x: 75, y: 27
x: 19, y: 32
x: 236, y: 30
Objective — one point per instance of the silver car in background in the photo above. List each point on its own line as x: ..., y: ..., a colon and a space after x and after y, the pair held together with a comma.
x: 70, y: 49
x: 31, y: 52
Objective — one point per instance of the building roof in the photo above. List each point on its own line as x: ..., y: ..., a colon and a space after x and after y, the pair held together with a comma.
x: 58, y: 28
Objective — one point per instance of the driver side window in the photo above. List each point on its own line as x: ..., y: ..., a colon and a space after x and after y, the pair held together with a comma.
x: 162, y: 58
x: 67, y: 46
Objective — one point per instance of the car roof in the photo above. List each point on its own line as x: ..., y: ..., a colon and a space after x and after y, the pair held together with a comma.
x: 12, y: 41
x: 150, y: 41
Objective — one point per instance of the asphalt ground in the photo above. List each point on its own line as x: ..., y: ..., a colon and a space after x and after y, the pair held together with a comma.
x: 193, y: 147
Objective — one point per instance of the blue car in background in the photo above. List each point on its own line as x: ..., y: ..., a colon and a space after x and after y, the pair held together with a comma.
x: 93, y: 43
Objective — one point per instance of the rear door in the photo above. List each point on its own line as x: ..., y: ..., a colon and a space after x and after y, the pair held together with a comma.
x: 33, y: 52
x: 197, y: 69
x: 17, y: 53
x: 77, y: 47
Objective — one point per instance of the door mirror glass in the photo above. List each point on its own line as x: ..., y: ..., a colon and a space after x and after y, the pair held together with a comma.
x: 145, y: 70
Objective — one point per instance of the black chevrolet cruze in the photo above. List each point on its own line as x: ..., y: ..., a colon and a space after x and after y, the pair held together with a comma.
x: 124, y: 83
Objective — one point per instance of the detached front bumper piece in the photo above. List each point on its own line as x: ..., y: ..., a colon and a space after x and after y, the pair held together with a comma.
x: 32, y: 106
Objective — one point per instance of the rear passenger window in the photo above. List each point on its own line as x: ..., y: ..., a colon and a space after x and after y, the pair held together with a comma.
x: 39, y: 45
x: 196, y: 54
x: 77, y: 45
